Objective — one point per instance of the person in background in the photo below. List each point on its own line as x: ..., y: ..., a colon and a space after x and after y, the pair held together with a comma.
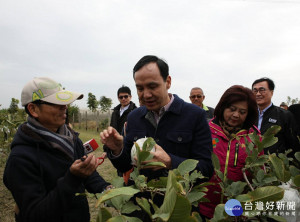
x: 47, y: 165
x: 235, y: 116
x: 197, y: 96
x: 295, y: 109
x: 120, y: 113
x: 283, y: 105
x: 270, y: 115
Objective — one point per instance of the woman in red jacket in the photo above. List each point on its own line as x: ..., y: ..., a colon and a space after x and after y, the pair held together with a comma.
x: 233, y: 121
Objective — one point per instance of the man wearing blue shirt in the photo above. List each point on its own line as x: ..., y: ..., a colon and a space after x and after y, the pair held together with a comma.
x: 270, y: 115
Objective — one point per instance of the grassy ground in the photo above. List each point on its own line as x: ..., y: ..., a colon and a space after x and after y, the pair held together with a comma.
x: 106, y: 170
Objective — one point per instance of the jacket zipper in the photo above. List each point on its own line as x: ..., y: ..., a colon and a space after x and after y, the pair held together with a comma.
x: 236, y: 154
x: 227, y: 160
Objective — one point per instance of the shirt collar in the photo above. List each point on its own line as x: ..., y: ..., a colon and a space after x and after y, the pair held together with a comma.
x: 204, y: 107
x: 123, y: 109
x: 264, y: 110
x: 162, y: 110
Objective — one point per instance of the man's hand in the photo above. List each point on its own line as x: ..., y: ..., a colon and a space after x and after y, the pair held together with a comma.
x: 111, y: 138
x: 85, y: 167
x: 159, y: 156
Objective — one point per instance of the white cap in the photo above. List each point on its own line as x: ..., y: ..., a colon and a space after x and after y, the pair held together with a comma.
x: 46, y: 89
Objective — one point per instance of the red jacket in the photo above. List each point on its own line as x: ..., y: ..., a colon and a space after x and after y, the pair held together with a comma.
x: 232, y: 155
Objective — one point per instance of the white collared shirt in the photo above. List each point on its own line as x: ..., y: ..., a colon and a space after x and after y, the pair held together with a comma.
x: 123, y: 109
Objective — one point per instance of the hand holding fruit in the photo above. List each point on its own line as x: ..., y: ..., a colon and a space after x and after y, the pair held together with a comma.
x: 111, y: 138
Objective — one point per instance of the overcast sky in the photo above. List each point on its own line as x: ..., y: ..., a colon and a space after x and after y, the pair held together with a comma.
x: 92, y: 45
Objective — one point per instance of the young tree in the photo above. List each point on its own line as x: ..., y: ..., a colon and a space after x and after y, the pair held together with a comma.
x: 92, y: 102
x: 291, y: 101
x: 105, y: 104
x: 13, y: 108
x: 73, y: 113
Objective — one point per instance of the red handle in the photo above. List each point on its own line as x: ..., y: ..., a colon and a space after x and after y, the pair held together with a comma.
x: 102, y: 160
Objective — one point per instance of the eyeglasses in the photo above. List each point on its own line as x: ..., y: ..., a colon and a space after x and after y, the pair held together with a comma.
x: 121, y: 97
x: 194, y: 96
x: 261, y: 90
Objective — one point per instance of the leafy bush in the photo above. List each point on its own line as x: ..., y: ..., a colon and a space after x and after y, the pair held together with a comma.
x: 9, y: 123
x: 180, y: 193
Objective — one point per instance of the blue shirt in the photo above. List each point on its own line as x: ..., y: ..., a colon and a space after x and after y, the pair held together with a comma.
x: 260, y: 116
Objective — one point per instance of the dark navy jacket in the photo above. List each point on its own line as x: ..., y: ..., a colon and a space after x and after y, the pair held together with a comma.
x: 183, y: 132
x: 39, y: 179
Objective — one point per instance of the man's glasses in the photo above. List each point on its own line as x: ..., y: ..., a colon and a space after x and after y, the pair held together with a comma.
x: 194, y: 96
x: 121, y: 97
x: 261, y: 90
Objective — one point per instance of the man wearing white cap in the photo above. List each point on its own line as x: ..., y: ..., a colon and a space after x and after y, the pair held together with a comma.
x: 44, y: 170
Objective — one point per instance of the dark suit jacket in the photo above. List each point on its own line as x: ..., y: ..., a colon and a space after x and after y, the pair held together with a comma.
x: 183, y: 132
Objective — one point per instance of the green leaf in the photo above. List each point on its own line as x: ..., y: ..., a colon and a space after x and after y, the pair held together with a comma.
x: 195, y: 196
x: 140, y: 181
x: 255, y: 138
x: 297, y: 180
x: 154, y: 164
x: 243, y: 198
x: 264, y: 194
x: 236, y: 188
x: 269, y: 179
x: 284, y: 158
x: 181, y: 210
x: 145, y: 155
x: 219, y: 213
x: 155, y: 207
x: 196, y: 217
x: 116, y: 192
x: 161, y: 183
x: 135, y: 173
x: 205, y: 184
x: 103, y: 215
x: 279, y: 169
x: 250, y: 145
x: 187, y: 166
x: 268, y: 138
x: 294, y: 171
x: 260, y: 175
x: 220, y: 174
x: 144, y: 204
x: 129, y: 207
x: 164, y: 212
x: 260, y: 161
x: 119, y: 201
x: 215, y: 161
x: 297, y: 156
x: 124, y: 219
x: 148, y: 144
x: 118, y: 182
x: 273, y: 130
x: 195, y: 175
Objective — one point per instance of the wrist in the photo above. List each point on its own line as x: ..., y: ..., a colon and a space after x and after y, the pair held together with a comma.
x: 116, y: 152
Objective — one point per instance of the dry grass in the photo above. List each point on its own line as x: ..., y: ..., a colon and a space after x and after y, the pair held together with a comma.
x: 106, y: 170
x: 6, y: 202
